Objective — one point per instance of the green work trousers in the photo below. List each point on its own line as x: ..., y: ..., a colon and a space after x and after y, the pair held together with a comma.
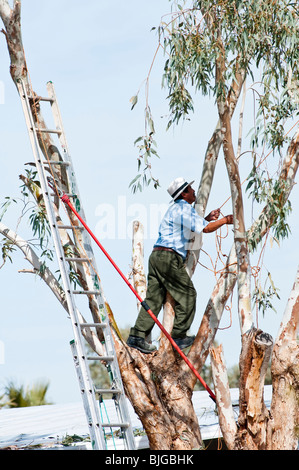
x: 166, y: 273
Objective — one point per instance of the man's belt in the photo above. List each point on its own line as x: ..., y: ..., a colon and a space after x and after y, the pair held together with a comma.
x: 163, y: 248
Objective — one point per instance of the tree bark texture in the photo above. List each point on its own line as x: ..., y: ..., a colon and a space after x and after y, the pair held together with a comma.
x: 160, y: 385
x: 208, y: 170
x: 284, y: 429
x: 240, y: 237
x: 227, y: 419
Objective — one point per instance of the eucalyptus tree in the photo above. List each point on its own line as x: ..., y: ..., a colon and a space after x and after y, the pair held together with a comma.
x: 215, y: 48
x: 212, y: 47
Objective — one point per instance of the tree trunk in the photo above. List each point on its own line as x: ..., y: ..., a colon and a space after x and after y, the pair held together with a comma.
x: 284, y: 430
x: 240, y: 237
x: 160, y: 385
x: 208, y: 170
x: 224, y: 405
x: 254, y: 416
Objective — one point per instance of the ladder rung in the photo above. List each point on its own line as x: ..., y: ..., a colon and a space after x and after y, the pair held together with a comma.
x: 80, y: 260
x: 48, y: 131
x: 44, y: 98
x: 70, y: 227
x: 115, y: 425
x: 100, y: 358
x: 108, y: 390
x: 69, y: 195
x: 40, y: 98
x: 100, y: 325
x: 81, y: 356
x: 53, y: 162
x: 87, y: 292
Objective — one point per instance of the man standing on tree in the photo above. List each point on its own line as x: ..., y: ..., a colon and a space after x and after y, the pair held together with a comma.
x: 167, y: 273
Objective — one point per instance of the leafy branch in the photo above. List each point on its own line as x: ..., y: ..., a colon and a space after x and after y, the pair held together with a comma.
x: 272, y: 194
x: 263, y: 298
x: 146, y: 149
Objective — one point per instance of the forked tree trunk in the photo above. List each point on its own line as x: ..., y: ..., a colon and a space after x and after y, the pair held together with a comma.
x: 160, y: 385
x: 260, y: 428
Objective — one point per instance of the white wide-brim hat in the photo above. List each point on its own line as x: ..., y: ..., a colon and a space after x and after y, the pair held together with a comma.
x: 177, y: 187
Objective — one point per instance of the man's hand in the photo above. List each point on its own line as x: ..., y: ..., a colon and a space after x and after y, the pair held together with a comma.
x: 213, y: 215
x: 216, y: 224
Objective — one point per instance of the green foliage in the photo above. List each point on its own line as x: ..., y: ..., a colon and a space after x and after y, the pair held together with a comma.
x: 5, y: 205
x: 272, y: 193
x: 73, y: 275
x: 20, y: 396
x: 146, y: 149
x: 237, y: 34
x: 7, y: 248
x: 231, y: 36
x: 39, y: 224
x: 262, y: 297
x: 69, y: 440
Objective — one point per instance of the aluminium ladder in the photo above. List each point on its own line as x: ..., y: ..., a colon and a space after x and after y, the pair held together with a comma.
x: 78, y: 347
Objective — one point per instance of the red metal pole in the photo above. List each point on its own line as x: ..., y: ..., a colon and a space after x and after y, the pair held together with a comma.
x: 67, y: 201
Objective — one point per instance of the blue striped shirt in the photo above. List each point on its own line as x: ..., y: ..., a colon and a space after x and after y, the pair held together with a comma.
x: 175, y: 229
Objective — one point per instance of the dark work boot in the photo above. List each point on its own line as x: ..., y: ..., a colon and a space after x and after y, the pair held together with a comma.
x: 141, y: 344
x: 183, y: 343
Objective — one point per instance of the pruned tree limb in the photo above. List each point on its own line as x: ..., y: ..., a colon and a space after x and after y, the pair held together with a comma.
x: 34, y: 260
x: 285, y: 378
x: 139, y: 278
x: 253, y: 415
x: 224, y: 405
x: 47, y: 276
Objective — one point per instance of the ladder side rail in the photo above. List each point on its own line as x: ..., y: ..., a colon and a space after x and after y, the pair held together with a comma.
x: 63, y: 141
x: 58, y: 119
x: 73, y: 186
x: 94, y: 423
x: 74, y: 189
x: 61, y: 261
x: 121, y: 405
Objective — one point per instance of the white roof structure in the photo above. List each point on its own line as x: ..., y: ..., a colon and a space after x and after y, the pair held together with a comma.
x: 47, y: 426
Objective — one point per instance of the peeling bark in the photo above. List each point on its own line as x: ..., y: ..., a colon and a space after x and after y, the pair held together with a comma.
x: 155, y: 386
x: 285, y: 377
x: 167, y: 322
x: 240, y: 237
x: 224, y: 405
x: 208, y: 170
x: 12, y: 22
x: 254, y: 416
x: 139, y: 279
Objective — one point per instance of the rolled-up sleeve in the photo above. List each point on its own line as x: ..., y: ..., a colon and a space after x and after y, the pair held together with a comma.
x: 191, y: 220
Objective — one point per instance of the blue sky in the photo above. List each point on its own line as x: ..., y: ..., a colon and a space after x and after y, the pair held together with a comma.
x: 98, y: 54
